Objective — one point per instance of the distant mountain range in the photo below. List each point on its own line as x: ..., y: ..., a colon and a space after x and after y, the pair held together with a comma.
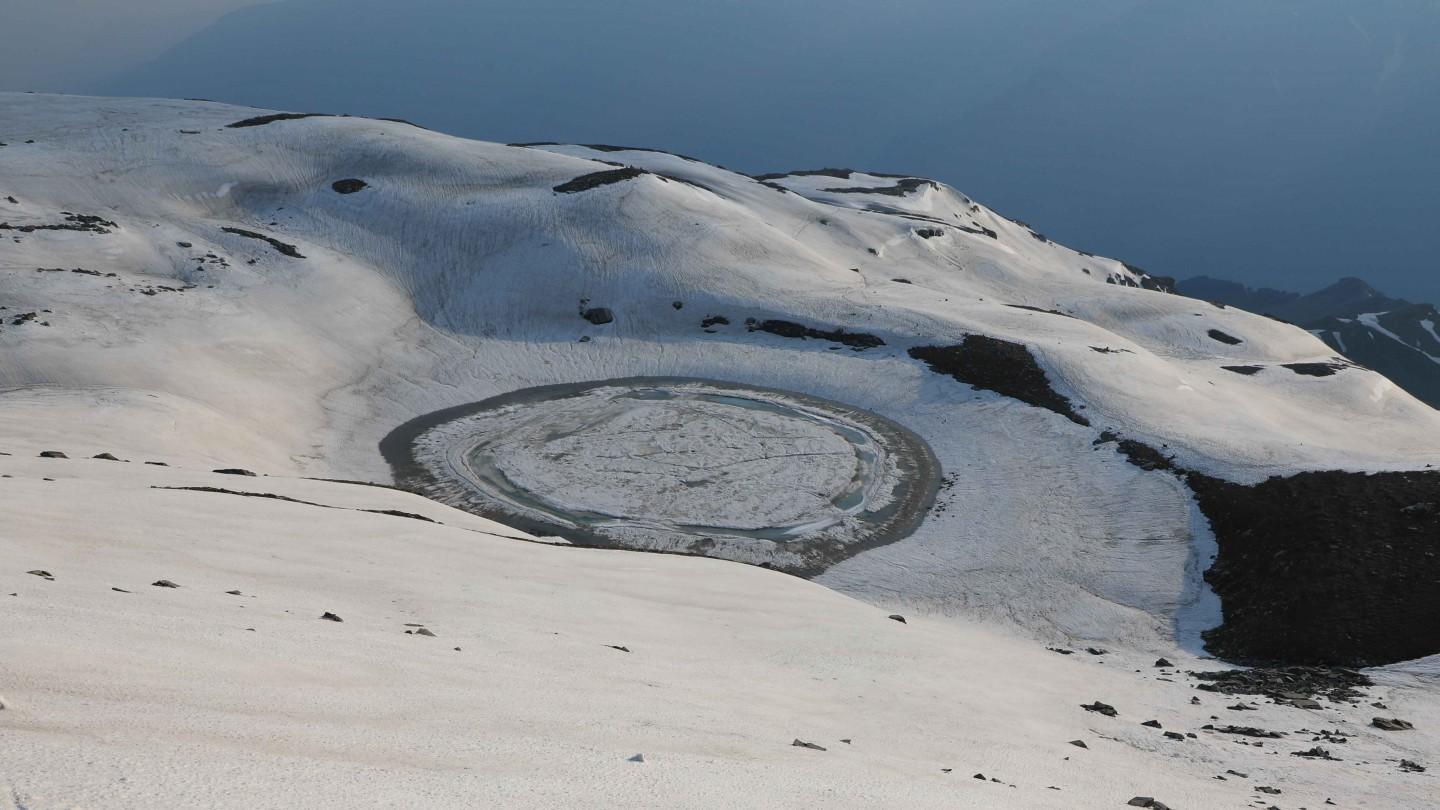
x: 1390, y: 335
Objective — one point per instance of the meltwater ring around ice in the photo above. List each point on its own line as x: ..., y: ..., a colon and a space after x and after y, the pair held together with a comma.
x: 676, y: 464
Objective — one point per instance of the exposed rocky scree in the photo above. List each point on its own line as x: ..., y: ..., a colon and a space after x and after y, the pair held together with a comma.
x: 1000, y: 366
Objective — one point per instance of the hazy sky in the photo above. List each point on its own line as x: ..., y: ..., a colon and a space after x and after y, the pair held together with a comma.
x: 75, y: 45
x: 1276, y: 142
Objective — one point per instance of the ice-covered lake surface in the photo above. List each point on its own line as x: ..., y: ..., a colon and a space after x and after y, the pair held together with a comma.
x: 677, y: 464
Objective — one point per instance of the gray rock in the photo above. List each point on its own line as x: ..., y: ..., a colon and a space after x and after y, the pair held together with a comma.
x: 1392, y: 724
x: 52, y: 454
x: 331, y: 617
x: 598, y: 315
x: 164, y: 583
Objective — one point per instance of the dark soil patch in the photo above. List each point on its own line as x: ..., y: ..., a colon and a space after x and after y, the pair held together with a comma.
x: 281, y: 247
x: 1332, y: 567
x: 1228, y: 339
x: 790, y: 329
x: 1000, y: 366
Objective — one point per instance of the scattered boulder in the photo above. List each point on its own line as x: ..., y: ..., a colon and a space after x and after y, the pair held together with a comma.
x: 799, y: 743
x: 1244, y: 731
x: 1100, y: 708
x: 42, y: 574
x: 119, y: 590
x: 424, y: 631
x: 636, y: 758
x: 598, y: 315
x: 897, y: 617
x: 348, y: 186
x: 1411, y: 766
x: 618, y: 647
x: 1164, y: 663
x: 234, y: 593
x: 714, y: 320
x: 52, y: 454
x: 234, y: 471
x: 330, y: 617
x: 163, y: 583
x: 1175, y: 735
x: 1152, y: 724
x: 1230, y: 340
x: 1147, y: 801
x: 105, y: 457
x: 1079, y: 744
x: 1314, y: 753
x: 1392, y: 724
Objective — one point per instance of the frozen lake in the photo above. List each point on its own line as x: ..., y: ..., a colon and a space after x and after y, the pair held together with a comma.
x: 676, y: 464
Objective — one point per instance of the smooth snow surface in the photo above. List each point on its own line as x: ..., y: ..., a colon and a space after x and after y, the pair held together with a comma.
x: 293, y: 342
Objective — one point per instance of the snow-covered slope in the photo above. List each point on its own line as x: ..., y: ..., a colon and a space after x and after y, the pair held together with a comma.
x: 282, y: 295
x: 1390, y: 335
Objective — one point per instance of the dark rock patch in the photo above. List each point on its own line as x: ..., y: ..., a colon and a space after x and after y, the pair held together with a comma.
x: 164, y: 583
x: 234, y: 471
x: 348, y: 186
x: 799, y: 743
x: 105, y: 457
x: 1392, y: 724
x: 790, y: 329
x: 1411, y: 767
x: 1163, y: 663
x: 714, y: 320
x: 43, y: 574
x: 1047, y: 312
x: 262, y: 120
x: 1287, y: 683
x: 1315, y: 753
x: 1244, y: 731
x: 84, y: 223
x: 1248, y: 371
x: 929, y: 233
x: 330, y: 617
x: 1325, y: 567
x: 52, y: 454
x: 1316, y: 369
x: 398, y: 513
x: 283, y: 248
x: 598, y: 315
x: 618, y: 647
x: 1223, y: 337
x: 997, y: 365
x: 902, y: 188
x: 586, y: 182
x: 1100, y: 708
x: 898, y: 618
